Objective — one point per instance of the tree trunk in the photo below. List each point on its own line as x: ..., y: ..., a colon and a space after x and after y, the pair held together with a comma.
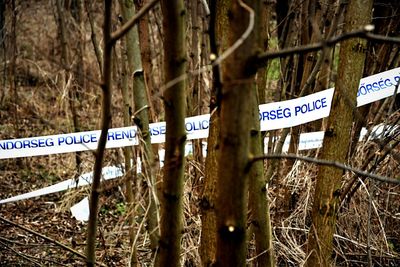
x: 238, y: 83
x: 208, y: 242
x: 337, y: 138
x: 145, y: 49
x: 194, y: 91
x: 174, y: 17
x: 12, y: 72
x: 128, y: 156
x: 258, y: 198
x: 141, y: 119
x: 3, y: 58
x: 73, y: 91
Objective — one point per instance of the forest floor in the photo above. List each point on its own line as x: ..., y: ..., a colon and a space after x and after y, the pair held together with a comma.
x: 49, y: 215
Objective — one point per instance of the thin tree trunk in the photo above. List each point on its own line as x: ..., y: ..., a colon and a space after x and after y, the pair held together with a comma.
x: 141, y: 118
x: 174, y: 17
x: 145, y: 49
x: 147, y: 155
x: 142, y: 99
x: 105, y: 124
x: 72, y: 92
x: 93, y: 36
x: 258, y: 198
x: 337, y: 138
x: 12, y: 73
x: 208, y: 241
x: 128, y: 156
x: 287, y: 38
x: 3, y: 57
x: 194, y: 102
x: 80, y: 74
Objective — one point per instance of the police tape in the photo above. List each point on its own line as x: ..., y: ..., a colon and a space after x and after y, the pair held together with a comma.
x: 272, y: 116
x: 307, y: 141
x: 108, y: 173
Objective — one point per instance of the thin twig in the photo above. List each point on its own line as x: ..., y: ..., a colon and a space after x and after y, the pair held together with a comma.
x: 17, y: 243
x: 44, y: 237
x: 369, y: 253
x: 20, y: 254
x: 382, y: 38
x: 324, y: 162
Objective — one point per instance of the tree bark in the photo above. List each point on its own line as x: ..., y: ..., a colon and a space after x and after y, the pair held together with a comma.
x: 194, y: 91
x: 337, y: 138
x: 141, y: 118
x: 238, y: 83
x: 208, y: 242
x: 258, y: 199
x: 128, y: 157
x: 174, y: 17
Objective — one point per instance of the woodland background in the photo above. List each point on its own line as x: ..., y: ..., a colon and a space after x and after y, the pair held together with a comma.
x: 54, y: 64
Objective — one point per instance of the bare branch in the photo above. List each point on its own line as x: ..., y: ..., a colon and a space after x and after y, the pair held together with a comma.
x: 382, y: 38
x: 263, y: 57
x: 364, y: 33
x: 327, y: 163
x: 115, y: 36
x: 44, y: 237
x: 105, y: 125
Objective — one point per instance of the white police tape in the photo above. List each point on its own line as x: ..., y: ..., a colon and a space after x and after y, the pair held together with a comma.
x: 307, y: 141
x: 297, y: 111
x: 314, y: 140
x: 81, y: 210
x: 272, y: 116
x: 109, y: 172
x: 196, y: 127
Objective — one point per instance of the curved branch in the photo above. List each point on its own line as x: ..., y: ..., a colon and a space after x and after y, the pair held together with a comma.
x: 115, y: 36
x: 222, y: 57
x: 325, y: 162
x: 364, y: 33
